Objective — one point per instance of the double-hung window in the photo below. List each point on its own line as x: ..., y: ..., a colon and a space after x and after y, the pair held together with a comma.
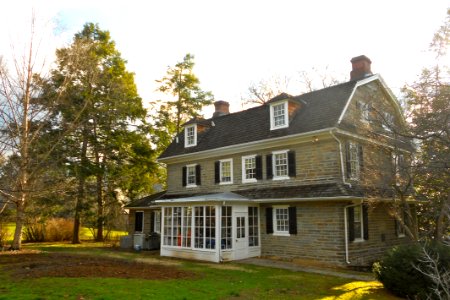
x: 354, y: 160
x: 190, y: 176
x: 279, y: 117
x: 281, y: 220
x: 365, y: 111
x: 190, y: 135
x: 249, y: 168
x: 224, y: 171
x: 388, y: 121
x: 358, y: 224
x: 280, y: 165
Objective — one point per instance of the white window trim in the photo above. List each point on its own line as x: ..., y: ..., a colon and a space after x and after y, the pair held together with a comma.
x: 231, y: 171
x: 245, y: 180
x: 361, y: 219
x: 286, y: 115
x: 188, y: 185
x: 186, y: 145
x: 274, y: 170
x: 274, y: 220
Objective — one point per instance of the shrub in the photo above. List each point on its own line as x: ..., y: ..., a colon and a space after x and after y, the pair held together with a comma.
x: 403, y: 270
x: 52, y: 230
x: 58, y: 229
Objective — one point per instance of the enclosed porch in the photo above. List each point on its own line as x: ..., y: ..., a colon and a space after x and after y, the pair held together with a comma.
x: 215, y: 227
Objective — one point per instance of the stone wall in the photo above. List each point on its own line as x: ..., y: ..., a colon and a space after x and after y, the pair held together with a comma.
x: 320, y: 238
x: 316, y: 162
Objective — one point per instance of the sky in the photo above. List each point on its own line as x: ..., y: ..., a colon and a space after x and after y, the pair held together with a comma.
x: 237, y: 43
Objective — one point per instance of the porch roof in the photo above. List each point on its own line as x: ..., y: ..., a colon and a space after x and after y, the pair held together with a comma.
x: 217, y: 197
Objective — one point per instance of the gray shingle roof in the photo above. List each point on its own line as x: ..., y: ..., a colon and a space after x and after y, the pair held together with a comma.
x: 320, y: 109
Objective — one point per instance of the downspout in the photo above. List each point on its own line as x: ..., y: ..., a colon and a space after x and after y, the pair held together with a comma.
x: 342, y: 159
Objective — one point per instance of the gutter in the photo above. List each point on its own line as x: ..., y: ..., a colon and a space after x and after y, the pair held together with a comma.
x: 342, y: 159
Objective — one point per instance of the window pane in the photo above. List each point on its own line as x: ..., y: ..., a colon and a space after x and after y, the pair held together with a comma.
x: 190, y: 175
x: 358, y: 222
x: 226, y: 242
x: 281, y: 220
x: 225, y: 168
x: 250, y: 168
x: 253, y: 234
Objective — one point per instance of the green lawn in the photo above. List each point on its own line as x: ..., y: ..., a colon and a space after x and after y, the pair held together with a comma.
x: 211, y: 281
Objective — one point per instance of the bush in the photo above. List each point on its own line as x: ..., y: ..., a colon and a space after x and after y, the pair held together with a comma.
x: 53, y: 230
x: 402, y: 270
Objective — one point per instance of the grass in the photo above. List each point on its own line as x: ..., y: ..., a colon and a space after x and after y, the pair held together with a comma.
x: 213, y: 281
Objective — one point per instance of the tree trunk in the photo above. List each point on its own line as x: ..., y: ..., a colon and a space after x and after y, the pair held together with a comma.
x: 81, y: 188
x: 100, y: 208
x: 440, y: 222
x: 20, y: 219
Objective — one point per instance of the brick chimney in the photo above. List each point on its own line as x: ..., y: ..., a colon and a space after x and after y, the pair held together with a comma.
x: 360, y: 67
x: 222, y: 108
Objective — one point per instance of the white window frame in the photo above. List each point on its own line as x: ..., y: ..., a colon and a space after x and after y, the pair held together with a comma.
x: 361, y: 237
x: 230, y: 160
x: 272, y: 115
x: 274, y: 218
x: 354, y: 161
x: 274, y: 165
x: 244, y: 169
x: 157, y: 221
x: 191, y: 185
x: 186, y: 136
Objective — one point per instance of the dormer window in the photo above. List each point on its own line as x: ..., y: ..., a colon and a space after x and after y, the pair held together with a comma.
x: 190, y: 135
x: 279, y: 115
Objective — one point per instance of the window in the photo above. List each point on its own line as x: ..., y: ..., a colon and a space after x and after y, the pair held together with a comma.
x: 281, y: 220
x: 365, y: 111
x: 205, y: 227
x: 388, y: 121
x: 190, y: 135
x: 240, y: 227
x: 190, y: 177
x: 226, y: 171
x: 223, y: 171
x: 354, y: 160
x: 226, y: 225
x: 138, y: 221
x: 177, y: 227
x: 358, y: 222
x: 157, y: 221
x: 253, y: 232
x: 279, y: 115
x: 280, y: 165
x: 251, y: 168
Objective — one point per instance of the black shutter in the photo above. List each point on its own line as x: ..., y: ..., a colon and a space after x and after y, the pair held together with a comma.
x: 292, y: 220
x: 365, y: 216
x: 351, y: 223
x: 152, y: 221
x: 184, y: 170
x: 269, y: 166
x: 217, y: 172
x: 269, y: 220
x: 347, y: 160
x: 198, y: 175
x: 258, y: 163
x: 361, y: 158
x: 292, y: 166
x: 138, y: 218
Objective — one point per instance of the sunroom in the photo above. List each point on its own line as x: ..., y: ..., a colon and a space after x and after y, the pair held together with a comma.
x: 215, y: 227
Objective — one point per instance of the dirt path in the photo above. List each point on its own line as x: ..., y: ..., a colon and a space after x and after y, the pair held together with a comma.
x: 41, y: 264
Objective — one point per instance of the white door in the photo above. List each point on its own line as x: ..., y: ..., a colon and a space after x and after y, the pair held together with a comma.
x: 241, y: 236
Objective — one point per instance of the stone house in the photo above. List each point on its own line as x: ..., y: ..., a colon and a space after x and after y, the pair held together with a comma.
x: 301, y: 177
